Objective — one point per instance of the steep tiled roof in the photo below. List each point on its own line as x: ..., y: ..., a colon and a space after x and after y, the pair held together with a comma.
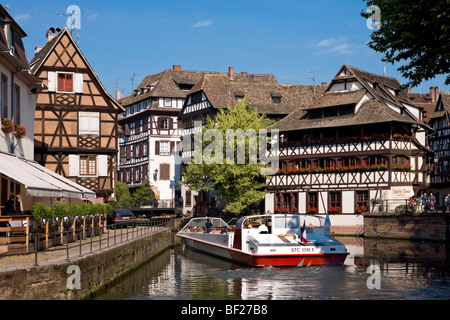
x: 168, y: 83
x: 19, y: 53
x: 330, y: 99
x: 444, y: 98
x: 39, y: 57
x: 260, y: 90
x: 370, y: 112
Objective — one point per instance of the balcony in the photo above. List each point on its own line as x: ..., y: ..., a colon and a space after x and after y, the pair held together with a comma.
x: 344, y: 145
x: 343, y: 179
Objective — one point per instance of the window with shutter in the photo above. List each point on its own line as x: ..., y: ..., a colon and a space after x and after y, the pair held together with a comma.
x: 164, y: 148
x: 164, y: 171
x: 88, y: 165
x: 65, y: 82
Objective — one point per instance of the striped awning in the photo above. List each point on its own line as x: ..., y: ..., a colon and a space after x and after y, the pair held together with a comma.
x: 40, y: 181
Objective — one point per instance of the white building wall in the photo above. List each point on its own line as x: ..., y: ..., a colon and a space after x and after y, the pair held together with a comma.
x: 162, y: 187
x: 22, y: 147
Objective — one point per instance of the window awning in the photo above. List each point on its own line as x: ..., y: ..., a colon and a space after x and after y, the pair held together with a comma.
x: 40, y: 181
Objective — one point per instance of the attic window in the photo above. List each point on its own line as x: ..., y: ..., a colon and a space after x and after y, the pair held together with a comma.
x: 239, y: 95
x: 276, y: 97
x: 185, y: 86
x: 65, y: 82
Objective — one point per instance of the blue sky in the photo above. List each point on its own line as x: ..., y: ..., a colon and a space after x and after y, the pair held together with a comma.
x: 293, y: 40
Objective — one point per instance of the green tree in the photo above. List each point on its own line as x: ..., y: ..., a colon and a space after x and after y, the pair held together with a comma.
x: 144, y: 193
x: 415, y: 33
x: 238, y: 184
x: 122, y: 191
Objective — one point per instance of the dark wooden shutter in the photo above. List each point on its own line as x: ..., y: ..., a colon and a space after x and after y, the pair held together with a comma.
x: 164, y: 169
x: 172, y: 147
x: 141, y: 149
x: 145, y: 124
x: 128, y: 152
x: 170, y: 123
x: 157, y: 148
x: 138, y: 128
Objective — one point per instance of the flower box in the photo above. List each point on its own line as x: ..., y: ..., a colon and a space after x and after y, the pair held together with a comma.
x: 20, y: 131
x: 7, y: 125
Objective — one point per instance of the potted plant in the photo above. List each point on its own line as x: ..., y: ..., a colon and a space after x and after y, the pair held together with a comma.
x: 361, y: 209
x: 7, y: 125
x: 20, y: 131
x: 377, y: 204
x: 312, y: 210
x: 335, y: 210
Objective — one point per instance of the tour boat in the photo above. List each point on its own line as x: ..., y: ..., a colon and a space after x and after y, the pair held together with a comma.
x: 284, y: 242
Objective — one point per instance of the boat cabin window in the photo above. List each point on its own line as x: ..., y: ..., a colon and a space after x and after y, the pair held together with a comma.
x: 286, y: 222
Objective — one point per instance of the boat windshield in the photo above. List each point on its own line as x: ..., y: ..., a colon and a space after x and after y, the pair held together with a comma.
x: 200, y: 223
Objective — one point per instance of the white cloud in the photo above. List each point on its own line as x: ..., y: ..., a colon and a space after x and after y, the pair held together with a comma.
x: 332, y: 45
x: 203, y: 24
x: 22, y: 17
x: 325, y: 43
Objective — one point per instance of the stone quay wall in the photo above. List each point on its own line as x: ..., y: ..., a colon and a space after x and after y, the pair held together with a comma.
x: 426, y: 227
x: 96, y: 271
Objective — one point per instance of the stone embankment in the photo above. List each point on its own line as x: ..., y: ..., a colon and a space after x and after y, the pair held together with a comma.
x: 81, y: 277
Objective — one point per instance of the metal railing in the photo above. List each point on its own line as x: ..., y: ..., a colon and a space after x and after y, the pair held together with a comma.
x: 405, y: 206
x: 162, y: 204
x: 75, y: 242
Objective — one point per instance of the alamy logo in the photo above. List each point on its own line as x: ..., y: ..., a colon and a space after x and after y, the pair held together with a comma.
x: 74, y: 19
x: 374, y: 281
x: 235, y: 147
x: 374, y: 21
x: 74, y: 280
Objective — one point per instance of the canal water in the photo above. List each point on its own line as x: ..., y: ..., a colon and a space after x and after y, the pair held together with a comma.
x: 374, y: 270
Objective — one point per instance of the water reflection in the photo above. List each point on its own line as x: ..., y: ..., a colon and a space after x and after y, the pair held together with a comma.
x: 408, y: 270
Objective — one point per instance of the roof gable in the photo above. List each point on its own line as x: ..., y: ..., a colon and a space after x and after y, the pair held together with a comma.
x: 376, y: 98
x: 62, y: 52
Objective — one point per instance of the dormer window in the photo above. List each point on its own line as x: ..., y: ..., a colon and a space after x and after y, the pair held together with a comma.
x: 239, y: 98
x: 276, y: 98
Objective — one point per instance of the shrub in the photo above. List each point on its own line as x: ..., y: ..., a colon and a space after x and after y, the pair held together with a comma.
x: 41, y: 212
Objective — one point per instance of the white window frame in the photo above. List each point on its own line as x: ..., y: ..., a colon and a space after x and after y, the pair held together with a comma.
x: 163, y: 145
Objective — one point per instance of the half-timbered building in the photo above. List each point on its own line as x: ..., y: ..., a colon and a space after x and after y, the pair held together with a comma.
x: 76, y: 120
x: 151, y: 132
x: 362, y: 140
x: 440, y: 145
x: 21, y: 178
x: 220, y: 90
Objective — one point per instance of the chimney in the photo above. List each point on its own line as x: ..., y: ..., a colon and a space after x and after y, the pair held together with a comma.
x: 117, y: 94
x: 230, y: 72
x: 433, y: 94
x: 37, y: 49
x: 408, y: 90
x: 244, y: 72
x: 436, y: 92
x: 176, y: 67
x: 52, y: 32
